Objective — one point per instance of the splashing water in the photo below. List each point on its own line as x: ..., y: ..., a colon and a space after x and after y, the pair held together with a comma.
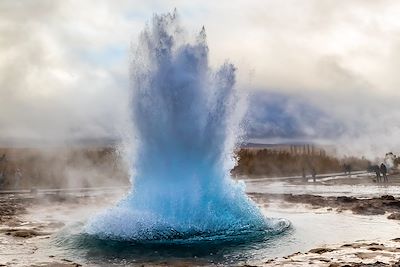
x: 186, y: 121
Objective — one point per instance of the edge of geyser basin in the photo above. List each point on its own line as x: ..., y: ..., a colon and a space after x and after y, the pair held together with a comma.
x: 75, y: 237
x: 156, y: 232
x: 218, y: 217
x: 209, y: 247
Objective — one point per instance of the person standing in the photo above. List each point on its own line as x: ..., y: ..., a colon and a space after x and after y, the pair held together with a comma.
x: 383, y: 170
x: 313, y: 174
x: 377, y: 173
x: 3, y: 164
x: 17, y: 178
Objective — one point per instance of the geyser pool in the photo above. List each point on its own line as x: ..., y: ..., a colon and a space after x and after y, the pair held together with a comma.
x: 186, y: 123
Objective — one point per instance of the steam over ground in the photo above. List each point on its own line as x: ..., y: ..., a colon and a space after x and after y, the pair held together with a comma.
x: 64, y: 68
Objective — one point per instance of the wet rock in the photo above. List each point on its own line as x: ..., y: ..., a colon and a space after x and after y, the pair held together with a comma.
x: 320, y: 250
x: 345, y: 199
x: 23, y: 233
x: 11, y: 206
x: 393, y: 204
x: 321, y: 259
x: 387, y: 197
x: 375, y: 264
x: 394, y: 216
x: 367, y: 209
x: 347, y: 245
x: 366, y: 255
x: 294, y: 254
x: 56, y: 264
x: 396, y: 264
x: 376, y: 248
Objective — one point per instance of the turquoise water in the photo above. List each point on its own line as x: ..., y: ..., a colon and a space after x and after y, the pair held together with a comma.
x: 308, y: 229
x: 186, y: 120
x: 222, y: 248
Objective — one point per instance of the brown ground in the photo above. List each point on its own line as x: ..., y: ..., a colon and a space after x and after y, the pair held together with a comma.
x: 369, y: 206
x: 74, y: 167
x: 21, y: 236
x: 357, y: 254
x: 275, y: 163
x: 10, y: 207
x: 61, y: 167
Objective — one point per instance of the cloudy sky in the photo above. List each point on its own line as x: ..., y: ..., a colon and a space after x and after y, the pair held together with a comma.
x: 318, y: 70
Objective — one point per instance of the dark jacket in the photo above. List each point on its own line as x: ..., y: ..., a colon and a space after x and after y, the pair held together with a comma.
x: 383, y: 168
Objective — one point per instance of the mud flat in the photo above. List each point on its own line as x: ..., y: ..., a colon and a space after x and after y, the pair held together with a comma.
x: 357, y: 254
x: 363, y: 206
x: 10, y: 206
x: 321, y: 236
x: 28, y: 223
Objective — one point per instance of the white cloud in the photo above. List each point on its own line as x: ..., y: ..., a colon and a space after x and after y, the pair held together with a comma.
x: 64, y: 64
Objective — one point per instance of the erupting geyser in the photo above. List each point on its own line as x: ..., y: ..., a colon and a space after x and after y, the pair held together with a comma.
x: 186, y: 124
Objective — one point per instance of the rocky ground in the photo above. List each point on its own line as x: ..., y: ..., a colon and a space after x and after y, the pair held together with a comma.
x: 10, y: 207
x: 357, y: 254
x: 363, y: 206
x: 20, y: 238
x: 22, y: 233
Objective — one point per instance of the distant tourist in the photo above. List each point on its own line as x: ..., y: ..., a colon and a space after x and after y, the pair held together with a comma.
x: 303, y: 174
x: 3, y: 164
x: 347, y: 169
x: 17, y: 178
x: 313, y: 174
x: 377, y: 173
x: 383, y: 170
